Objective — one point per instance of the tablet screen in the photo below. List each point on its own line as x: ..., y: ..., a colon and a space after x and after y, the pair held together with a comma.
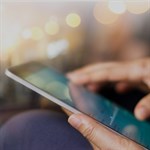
x: 106, y: 112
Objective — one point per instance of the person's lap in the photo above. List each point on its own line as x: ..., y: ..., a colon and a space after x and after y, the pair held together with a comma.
x: 41, y: 130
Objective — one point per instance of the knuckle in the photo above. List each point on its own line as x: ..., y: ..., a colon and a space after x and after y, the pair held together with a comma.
x: 89, y: 132
x: 124, y: 143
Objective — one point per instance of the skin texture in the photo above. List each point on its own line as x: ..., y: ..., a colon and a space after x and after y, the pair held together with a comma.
x: 100, y: 137
x: 124, y: 75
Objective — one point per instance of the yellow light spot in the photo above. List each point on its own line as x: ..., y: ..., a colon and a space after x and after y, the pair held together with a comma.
x: 52, y: 27
x: 103, y: 14
x: 37, y: 33
x: 73, y: 20
x: 118, y: 7
x: 138, y: 7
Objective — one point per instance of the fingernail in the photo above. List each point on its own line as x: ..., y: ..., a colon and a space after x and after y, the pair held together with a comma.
x: 72, y: 75
x: 142, y: 113
x: 75, y: 121
x: 69, y: 74
x: 78, y: 78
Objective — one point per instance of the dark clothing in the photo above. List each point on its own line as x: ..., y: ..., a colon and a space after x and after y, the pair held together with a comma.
x: 41, y: 130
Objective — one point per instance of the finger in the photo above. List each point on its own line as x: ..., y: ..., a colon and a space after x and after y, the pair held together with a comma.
x: 69, y: 113
x: 94, y: 146
x: 80, y: 76
x: 100, y: 135
x: 142, y: 110
x: 94, y: 87
x: 120, y: 72
x: 101, y: 75
x: 123, y: 87
x: 91, y: 68
x: 133, y: 72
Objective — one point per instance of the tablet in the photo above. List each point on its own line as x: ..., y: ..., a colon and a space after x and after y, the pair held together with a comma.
x: 56, y: 87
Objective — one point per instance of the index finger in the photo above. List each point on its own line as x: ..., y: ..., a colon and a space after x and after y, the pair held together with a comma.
x: 134, y: 72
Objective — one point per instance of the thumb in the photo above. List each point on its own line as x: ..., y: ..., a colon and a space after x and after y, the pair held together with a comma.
x: 142, y: 109
x: 99, y: 135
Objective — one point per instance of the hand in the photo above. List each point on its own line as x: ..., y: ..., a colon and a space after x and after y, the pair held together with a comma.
x: 99, y: 136
x: 123, y: 74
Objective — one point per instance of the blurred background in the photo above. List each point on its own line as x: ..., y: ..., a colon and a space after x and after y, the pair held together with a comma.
x: 67, y: 35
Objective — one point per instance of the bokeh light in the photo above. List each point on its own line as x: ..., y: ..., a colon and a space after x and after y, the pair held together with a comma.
x: 138, y: 7
x: 13, y: 38
x: 118, y: 7
x: 52, y: 27
x: 73, y: 20
x: 37, y: 33
x: 56, y: 48
x: 103, y: 14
